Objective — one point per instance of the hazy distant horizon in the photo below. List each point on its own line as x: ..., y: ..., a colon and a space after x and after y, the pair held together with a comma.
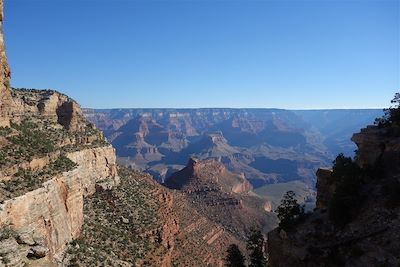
x: 231, y: 108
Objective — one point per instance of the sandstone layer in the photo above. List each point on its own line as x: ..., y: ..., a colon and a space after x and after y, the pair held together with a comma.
x: 52, y: 216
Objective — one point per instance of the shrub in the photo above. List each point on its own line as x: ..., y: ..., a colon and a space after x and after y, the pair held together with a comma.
x: 31, y: 139
x: 289, y: 211
x: 256, y: 248
x: 234, y: 257
x: 347, y: 177
x: 392, y: 114
x: 62, y: 164
x: 2, y: 158
x: 4, y: 131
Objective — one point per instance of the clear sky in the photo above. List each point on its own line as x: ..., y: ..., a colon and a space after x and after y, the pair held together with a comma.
x: 194, y: 53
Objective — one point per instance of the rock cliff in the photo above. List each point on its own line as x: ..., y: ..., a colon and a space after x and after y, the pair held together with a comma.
x: 51, y: 216
x: 5, y: 94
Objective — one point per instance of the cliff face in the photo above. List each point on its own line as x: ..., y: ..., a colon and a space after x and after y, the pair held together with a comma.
x: 379, y: 145
x: 51, y: 158
x: 5, y: 95
x: 48, y: 218
x: 324, y: 189
x: 370, y: 237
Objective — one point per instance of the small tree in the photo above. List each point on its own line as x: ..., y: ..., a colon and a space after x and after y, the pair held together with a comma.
x: 392, y: 114
x: 256, y: 248
x: 347, y: 177
x: 289, y: 211
x: 235, y: 257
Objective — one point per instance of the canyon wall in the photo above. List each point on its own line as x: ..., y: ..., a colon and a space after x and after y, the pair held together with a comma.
x: 48, y: 218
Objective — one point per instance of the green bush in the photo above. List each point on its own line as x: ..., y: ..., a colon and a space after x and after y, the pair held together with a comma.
x: 62, y: 164
x: 2, y: 158
x: 31, y: 139
x: 4, y: 131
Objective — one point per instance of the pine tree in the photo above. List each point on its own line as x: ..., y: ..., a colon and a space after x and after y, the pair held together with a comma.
x: 255, y: 246
x: 289, y: 211
x: 235, y: 257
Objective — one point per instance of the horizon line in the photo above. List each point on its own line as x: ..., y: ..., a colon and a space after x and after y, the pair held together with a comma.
x: 264, y: 108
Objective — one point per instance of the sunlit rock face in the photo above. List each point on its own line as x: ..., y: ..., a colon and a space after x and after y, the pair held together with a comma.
x: 5, y: 74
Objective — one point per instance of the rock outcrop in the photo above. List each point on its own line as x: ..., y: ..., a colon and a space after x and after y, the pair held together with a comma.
x: 379, y: 145
x: 369, y: 237
x: 208, y: 175
x: 48, y: 104
x: 221, y: 196
x: 324, y: 188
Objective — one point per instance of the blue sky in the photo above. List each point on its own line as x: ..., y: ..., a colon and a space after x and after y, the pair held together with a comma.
x: 141, y: 53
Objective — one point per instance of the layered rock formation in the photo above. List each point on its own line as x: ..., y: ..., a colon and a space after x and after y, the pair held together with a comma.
x: 267, y: 145
x: 211, y: 174
x: 223, y: 197
x: 52, y: 215
x: 153, y: 140
x: 370, y: 234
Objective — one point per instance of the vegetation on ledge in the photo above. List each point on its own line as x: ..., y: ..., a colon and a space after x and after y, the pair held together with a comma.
x: 121, y: 225
x: 26, y: 180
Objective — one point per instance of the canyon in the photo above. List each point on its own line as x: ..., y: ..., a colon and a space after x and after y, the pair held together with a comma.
x: 64, y: 201
x: 266, y: 145
x: 275, y: 150
x: 176, y: 187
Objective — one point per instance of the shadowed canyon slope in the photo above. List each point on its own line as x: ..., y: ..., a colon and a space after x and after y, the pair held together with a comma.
x: 356, y: 222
